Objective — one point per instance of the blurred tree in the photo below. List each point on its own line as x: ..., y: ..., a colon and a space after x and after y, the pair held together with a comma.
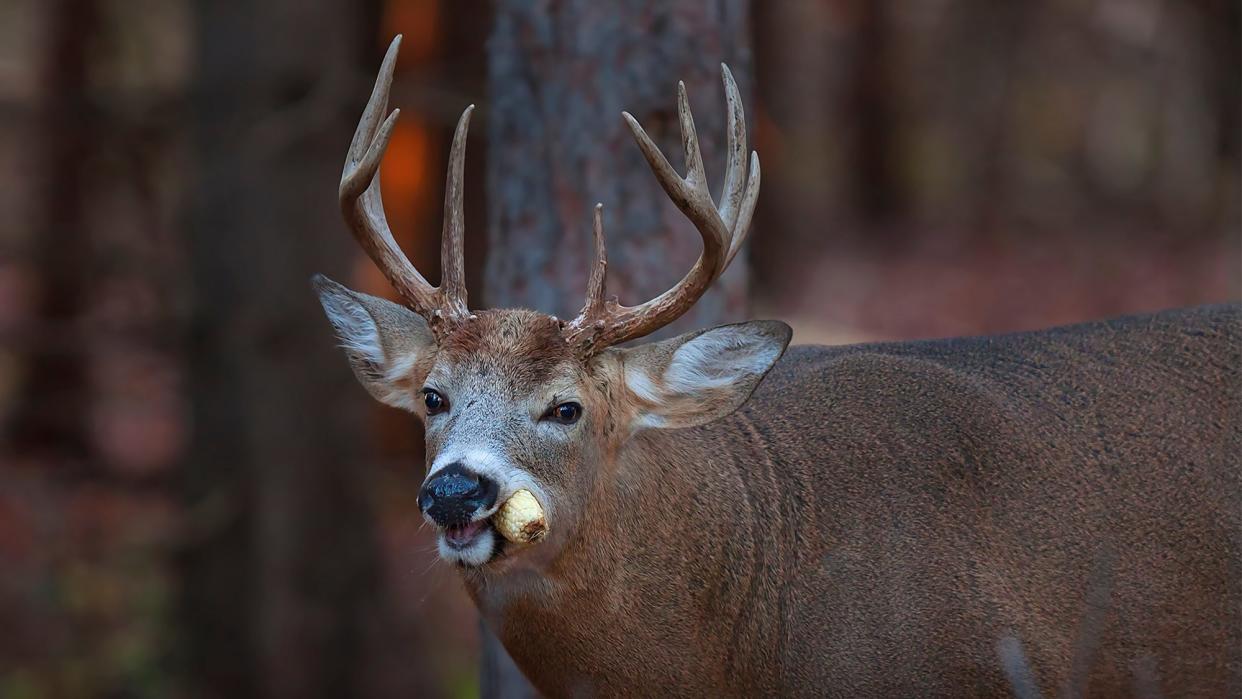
x: 559, y: 78
x: 51, y: 410
x: 279, y: 570
x: 875, y: 157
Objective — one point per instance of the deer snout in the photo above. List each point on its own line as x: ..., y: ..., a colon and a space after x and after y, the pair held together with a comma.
x: 455, y: 494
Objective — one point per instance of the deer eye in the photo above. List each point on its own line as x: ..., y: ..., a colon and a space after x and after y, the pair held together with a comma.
x: 434, y: 402
x: 564, y: 413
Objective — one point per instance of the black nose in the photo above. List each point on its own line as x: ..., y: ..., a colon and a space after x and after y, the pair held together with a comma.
x: 453, y: 496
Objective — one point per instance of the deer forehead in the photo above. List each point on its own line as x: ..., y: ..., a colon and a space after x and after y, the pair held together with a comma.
x: 513, y: 352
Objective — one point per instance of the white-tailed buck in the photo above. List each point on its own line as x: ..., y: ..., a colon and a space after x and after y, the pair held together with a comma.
x: 1044, y: 513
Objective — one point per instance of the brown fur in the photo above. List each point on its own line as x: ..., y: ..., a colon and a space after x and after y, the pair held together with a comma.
x: 523, y: 345
x: 1057, y: 511
x: 883, y: 520
x: 1053, y: 512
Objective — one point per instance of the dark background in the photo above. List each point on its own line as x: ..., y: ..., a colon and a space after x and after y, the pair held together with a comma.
x: 196, y: 499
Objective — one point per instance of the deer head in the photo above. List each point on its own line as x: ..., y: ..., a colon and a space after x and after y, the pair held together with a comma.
x: 515, y: 399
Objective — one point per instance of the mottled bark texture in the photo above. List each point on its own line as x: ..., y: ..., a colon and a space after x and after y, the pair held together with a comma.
x: 560, y: 74
x: 279, y: 572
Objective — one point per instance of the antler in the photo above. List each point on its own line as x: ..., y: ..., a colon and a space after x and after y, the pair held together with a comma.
x: 363, y: 210
x: 603, y: 323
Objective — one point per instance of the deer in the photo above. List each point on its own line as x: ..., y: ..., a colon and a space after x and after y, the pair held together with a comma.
x: 1047, y: 512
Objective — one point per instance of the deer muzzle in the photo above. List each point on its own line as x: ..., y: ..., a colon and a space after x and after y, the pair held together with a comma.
x: 453, y: 497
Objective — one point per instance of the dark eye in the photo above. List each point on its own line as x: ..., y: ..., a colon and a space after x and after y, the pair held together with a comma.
x: 565, y: 413
x: 434, y: 401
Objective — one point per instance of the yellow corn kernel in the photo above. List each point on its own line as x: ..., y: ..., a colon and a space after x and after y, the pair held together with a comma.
x: 521, y: 519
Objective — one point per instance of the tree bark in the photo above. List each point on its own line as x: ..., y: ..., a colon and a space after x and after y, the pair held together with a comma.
x: 559, y: 76
x: 279, y: 570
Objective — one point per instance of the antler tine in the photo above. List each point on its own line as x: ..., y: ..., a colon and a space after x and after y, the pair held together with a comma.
x: 592, y: 317
x: 604, y: 323
x: 735, y: 133
x: 363, y: 208
x: 597, y: 284
x: 696, y: 176
x: 452, y: 246
x: 746, y: 210
x: 360, y: 193
x: 364, y: 134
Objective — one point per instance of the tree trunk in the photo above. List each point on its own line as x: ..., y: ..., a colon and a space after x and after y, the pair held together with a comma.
x: 559, y: 76
x: 279, y: 569
x: 50, y: 417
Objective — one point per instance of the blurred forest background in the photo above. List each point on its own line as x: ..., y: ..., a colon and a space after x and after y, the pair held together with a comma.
x: 196, y: 499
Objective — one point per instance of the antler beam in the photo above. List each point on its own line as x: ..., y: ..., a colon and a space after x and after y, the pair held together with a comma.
x: 363, y: 209
x: 603, y: 323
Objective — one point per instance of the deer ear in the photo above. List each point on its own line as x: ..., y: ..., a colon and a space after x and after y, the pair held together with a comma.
x: 389, y: 346
x: 702, y: 376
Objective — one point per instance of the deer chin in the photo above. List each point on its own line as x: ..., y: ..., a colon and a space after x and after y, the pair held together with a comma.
x: 470, y: 545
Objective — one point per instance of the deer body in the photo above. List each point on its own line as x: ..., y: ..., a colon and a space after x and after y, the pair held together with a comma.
x: 881, y: 520
x: 1045, y: 512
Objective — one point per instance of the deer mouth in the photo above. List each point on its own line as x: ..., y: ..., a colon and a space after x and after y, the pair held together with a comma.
x: 463, y: 536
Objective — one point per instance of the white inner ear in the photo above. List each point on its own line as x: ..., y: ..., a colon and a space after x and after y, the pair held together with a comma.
x: 641, y: 385
x: 356, y: 329
x: 718, y: 358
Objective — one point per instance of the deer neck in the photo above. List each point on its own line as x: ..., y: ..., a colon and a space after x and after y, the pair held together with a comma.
x: 619, y: 576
